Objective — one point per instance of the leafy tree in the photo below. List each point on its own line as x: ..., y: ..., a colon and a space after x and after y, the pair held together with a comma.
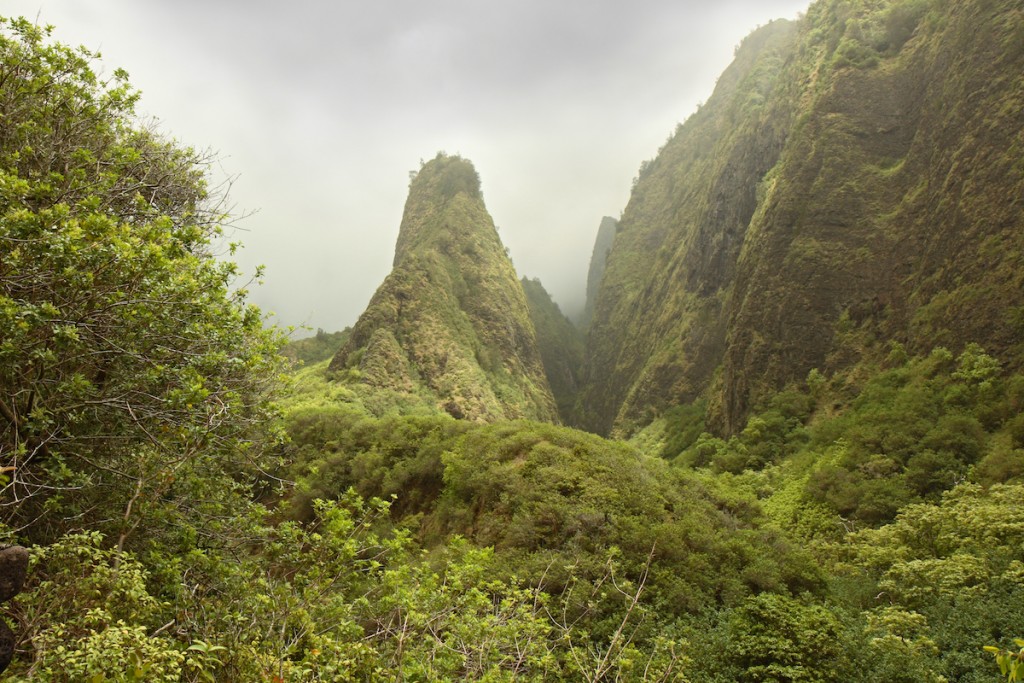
x: 129, y: 363
x: 1011, y: 663
x: 913, y: 432
x: 952, y: 570
x: 777, y: 638
x: 135, y: 381
x: 83, y: 604
x: 899, y: 648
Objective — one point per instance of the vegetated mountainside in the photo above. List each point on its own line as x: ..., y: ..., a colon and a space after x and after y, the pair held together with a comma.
x: 451, y: 321
x: 876, y: 543
x: 855, y: 179
x: 658, y: 330
x: 896, y: 210
x: 320, y: 347
x: 560, y: 345
x: 602, y: 244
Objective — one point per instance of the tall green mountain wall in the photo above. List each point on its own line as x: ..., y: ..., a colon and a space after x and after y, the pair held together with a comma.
x: 856, y: 178
x: 658, y: 329
x: 451, y: 321
x: 598, y: 258
x: 560, y: 345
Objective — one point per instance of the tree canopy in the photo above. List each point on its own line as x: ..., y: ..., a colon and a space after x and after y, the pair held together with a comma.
x: 127, y: 353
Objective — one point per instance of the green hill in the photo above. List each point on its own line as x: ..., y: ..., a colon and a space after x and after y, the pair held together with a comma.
x: 451, y: 321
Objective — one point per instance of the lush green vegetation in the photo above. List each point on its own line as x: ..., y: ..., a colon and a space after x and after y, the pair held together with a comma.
x: 787, y: 552
x: 595, y: 272
x: 311, y: 350
x: 560, y: 345
x: 135, y: 383
x: 905, y: 484
x: 194, y: 514
x: 845, y: 185
x: 451, y: 321
x: 660, y: 319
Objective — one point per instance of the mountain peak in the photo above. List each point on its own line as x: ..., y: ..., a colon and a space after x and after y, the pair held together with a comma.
x: 439, y: 182
x: 451, y: 321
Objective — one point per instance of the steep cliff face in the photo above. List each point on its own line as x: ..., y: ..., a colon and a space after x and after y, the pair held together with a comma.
x: 856, y: 178
x: 897, y: 208
x: 560, y: 345
x: 451, y: 320
x: 598, y: 258
x: 658, y: 330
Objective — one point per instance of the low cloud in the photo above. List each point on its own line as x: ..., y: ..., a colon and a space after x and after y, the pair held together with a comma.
x: 320, y: 109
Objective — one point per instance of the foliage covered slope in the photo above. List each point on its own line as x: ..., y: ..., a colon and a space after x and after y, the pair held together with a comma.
x: 598, y: 257
x: 320, y: 347
x: 866, y: 529
x: 854, y: 179
x: 560, y: 345
x: 657, y: 334
x: 451, y: 321
x: 901, y: 481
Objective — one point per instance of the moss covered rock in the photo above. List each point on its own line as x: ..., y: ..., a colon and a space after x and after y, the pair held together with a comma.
x: 451, y: 320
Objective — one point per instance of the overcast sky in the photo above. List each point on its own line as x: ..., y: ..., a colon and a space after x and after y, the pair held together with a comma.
x: 320, y: 109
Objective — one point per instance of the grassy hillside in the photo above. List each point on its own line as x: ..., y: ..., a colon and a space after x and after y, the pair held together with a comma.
x: 871, y: 520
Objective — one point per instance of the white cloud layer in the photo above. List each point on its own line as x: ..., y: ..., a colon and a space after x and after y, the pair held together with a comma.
x: 320, y: 109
